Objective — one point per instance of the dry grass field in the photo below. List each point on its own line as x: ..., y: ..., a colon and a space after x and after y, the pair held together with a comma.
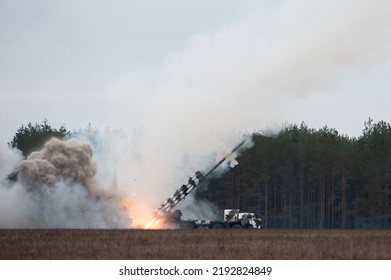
x: 64, y: 244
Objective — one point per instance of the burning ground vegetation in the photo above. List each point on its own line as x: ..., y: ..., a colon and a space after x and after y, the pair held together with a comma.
x: 194, y: 244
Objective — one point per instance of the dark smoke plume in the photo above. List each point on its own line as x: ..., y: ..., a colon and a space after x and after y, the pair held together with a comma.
x: 56, y: 189
x: 70, y: 161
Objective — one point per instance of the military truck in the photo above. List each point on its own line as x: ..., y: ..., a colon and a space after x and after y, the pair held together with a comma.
x: 163, y: 217
x: 233, y: 219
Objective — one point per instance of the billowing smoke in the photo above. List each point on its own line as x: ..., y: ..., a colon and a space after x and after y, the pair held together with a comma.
x: 70, y: 161
x: 56, y: 187
x: 9, y: 160
x: 222, y: 85
x: 189, y: 111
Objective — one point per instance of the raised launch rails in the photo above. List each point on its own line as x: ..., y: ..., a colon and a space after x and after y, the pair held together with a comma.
x: 185, y: 189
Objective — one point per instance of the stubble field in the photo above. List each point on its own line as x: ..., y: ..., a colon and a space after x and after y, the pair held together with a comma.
x: 79, y: 244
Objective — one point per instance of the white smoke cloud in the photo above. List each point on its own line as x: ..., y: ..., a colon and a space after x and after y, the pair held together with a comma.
x: 17, y: 210
x: 199, y: 103
x: 9, y: 160
x: 231, y: 82
x: 56, y: 188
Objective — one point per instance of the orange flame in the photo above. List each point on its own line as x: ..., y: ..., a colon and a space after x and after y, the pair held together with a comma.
x: 139, y: 213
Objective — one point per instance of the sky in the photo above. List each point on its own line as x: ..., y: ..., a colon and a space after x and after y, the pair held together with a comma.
x: 172, y: 86
x: 80, y: 62
x: 111, y: 63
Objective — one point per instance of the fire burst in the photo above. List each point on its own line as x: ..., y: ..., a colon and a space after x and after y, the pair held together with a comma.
x: 138, y: 209
x: 139, y: 214
x: 154, y: 223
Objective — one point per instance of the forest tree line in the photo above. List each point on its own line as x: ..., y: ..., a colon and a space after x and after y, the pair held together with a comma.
x: 298, y: 178
x: 308, y: 178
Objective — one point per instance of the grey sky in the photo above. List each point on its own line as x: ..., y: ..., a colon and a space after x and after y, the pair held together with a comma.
x: 116, y: 63
x: 57, y: 59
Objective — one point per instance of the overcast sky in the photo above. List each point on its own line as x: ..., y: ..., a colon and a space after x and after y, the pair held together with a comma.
x: 253, y: 64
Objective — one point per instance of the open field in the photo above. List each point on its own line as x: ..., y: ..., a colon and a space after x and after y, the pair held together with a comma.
x: 62, y: 244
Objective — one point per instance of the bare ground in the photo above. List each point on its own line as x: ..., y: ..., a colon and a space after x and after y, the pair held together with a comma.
x: 115, y: 244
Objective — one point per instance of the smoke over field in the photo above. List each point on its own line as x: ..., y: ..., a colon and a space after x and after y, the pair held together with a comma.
x: 56, y: 188
x: 70, y: 161
x: 200, y: 100
x: 185, y: 113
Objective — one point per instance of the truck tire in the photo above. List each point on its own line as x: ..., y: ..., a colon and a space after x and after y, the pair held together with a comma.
x: 237, y: 226
x: 217, y: 226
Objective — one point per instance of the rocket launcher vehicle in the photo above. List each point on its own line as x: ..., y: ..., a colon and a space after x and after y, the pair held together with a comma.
x: 181, y: 193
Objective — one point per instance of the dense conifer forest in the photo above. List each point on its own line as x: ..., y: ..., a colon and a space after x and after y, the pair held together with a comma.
x: 312, y: 178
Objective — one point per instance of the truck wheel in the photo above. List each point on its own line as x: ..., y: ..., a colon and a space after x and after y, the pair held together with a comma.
x: 237, y: 226
x: 217, y: 226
